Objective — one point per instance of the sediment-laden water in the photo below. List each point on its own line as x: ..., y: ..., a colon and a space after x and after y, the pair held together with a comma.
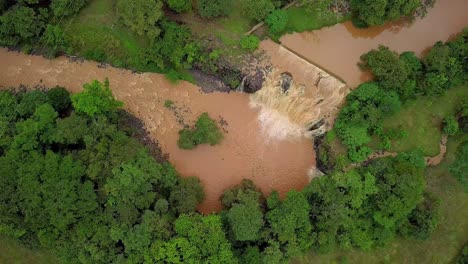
x: 338, y: 48
x: 244, y: 153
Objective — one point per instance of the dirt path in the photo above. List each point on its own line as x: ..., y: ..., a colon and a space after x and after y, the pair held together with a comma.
x: 280, y: 165
x: 338, y: 48
x: 430, y: 161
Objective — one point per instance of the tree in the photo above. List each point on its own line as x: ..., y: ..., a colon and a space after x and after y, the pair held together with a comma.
x: 55, y: 40
x: 141, y: 16
x: 187, y: 195
x: 21, y: 25
x: 177, y: 48
x: 206, y: 132
x: 59, y: 98
x: 257, y: 10
x: 386, y: 66
x: 372, y: 13
x: 459, y: 168
x: 198, y: 239
x: 180, y: 6
x: 213, y: 8
x: 450, y: 126
x: 62, y: 8
x: 424, y: 219
x: 245, y: 220
x: 95, y: 99
x: 249, y: 43
x: 289, y: 221
x: 277, y: 21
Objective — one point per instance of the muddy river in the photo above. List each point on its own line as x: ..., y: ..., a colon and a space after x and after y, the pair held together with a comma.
x: 338, y: 48
x: 244, y: 153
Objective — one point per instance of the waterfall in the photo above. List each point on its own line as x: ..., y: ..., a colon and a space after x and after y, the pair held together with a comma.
x: 289, y: 111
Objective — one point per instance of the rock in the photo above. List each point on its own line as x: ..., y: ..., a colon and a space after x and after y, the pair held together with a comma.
x: 253, y: 83
x: 286, y: 81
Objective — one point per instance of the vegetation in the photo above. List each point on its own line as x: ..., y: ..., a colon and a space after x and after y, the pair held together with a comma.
x: 76, y: 184
x: 249, y: 42
x: 277, y: 22
x: 399, y: 78
x: 141, y: 16
x: 180, y: 5
x: 213, y: 8
x: 445, y: 243
x: 206, y: 132
x: 372, y: 13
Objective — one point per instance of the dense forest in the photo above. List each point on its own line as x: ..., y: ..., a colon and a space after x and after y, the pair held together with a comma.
x: 73, y: 180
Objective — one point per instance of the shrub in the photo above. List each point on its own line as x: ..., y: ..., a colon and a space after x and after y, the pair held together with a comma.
x: 213, y: 8
x: 21, y: 25
x: 96, y: 54
x: 249, y: 42
x: 62, y: 8
x: 96, y: 99
x: 450, y: 126
x: 377, y: 12
x: 54, y: 38
x: 277, y: 21
x: 180, y: 6
x: 141, y: 16
x: 206, y: 132
x: 257, y: 10
x: 59, y: 98
x: 168, y: 104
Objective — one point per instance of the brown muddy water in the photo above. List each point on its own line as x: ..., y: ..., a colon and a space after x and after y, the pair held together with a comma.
x: 245, y: 152
x: 338, y: 48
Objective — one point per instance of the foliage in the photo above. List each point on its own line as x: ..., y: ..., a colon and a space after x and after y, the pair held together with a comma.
x: 180, y: 6
x: 246, y: 220
x: 388, y: 69
x: 21, y: 24
x: 249, y: 43
x: 459, y: 168
x: 77, y: 185
x: 362, y: 117
x: 257, y: 10
x: 197, y: 240
x: 61, y: 8
x: 372, y: 13
x: 206, y: 132
x: 463, y: 257
x: 96, y: 99
x: 59, y: 98
x: 277, y: 22
x: 141, y: 16
x: 54, y: 38
x: 424, y: 219
x: 450, y: 126
x: 213, y: 8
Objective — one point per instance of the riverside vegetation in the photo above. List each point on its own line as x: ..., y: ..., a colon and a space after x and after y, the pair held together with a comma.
x: 75, y: 182
x: 144, y: 35
x: 118, y: 203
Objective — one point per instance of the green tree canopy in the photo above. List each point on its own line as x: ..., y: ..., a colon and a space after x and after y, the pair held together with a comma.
x: 96, y: 99
x: 141, y: 16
